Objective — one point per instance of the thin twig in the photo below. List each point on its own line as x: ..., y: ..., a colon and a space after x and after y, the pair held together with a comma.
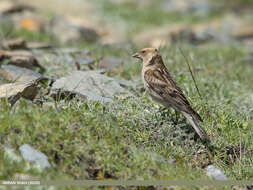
x: 195, y: 83
x: 241, y: 153
x: 240, y: 146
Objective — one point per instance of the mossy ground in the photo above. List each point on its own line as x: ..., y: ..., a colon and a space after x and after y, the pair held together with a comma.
x: 129, y: 138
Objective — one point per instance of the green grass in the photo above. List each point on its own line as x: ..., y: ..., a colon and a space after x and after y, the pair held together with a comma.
x: 133, y: 18
x: 8, y: 31
x: 27, y: 35
x: 238, y: 2
x: 129, y: 140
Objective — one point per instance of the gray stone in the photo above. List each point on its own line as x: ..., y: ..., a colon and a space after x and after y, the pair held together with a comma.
x: 70, y: 32
x: 21, y: 59
x: 21, y: 44
x: 32, y: 155
x: 5, y: 5
x: 58, y: 64
x: 14, y: 91
x: 18, y: 74
x: 38, y: 45
x: 62, y: 61
x: 84, y: 63
x: 70, y: 50
x: 13, y: 44
x: 199, y: 7
x: 215, y: 173
x: 7, y: 8
x: 89, y: 84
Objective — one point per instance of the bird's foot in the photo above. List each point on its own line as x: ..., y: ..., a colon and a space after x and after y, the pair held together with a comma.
x: 161, y: 109
x: 165, y: 112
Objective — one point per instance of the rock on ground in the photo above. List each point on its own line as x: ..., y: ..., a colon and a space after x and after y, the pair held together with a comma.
x: 13, y: 44
x: 62, y: 61
x: 66, y: 31
x: 21, y: 44
x: 89, y: 84
x: 32, y: 155
x: 198, y: 7
x: 21, y: 59
x: 18, y: 74
x: 14, y: 91
x: 216, y: 173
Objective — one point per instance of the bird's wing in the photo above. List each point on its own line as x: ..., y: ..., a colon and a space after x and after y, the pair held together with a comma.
x: 160, y: 82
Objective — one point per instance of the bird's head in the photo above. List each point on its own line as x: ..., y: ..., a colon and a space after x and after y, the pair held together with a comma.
x: 146, y: 54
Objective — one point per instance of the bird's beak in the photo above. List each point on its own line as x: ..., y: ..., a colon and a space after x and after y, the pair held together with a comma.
x: 136, y: 55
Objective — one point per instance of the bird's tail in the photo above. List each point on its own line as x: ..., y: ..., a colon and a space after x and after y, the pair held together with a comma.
x: 194, y: 123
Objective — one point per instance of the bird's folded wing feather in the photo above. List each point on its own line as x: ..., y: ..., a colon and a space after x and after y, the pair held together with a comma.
x: 161, y: 83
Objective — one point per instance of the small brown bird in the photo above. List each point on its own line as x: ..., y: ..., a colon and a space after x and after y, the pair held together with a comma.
x: 163, y: 89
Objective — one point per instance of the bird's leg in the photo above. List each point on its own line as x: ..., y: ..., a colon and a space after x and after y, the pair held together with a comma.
x: 166, y: 110
x: 177, y: 116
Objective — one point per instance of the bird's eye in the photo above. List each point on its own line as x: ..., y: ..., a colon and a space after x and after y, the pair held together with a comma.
x: 143, y: 51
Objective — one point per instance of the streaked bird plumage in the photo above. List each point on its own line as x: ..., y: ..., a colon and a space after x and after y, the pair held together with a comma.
x: 163, y: 88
